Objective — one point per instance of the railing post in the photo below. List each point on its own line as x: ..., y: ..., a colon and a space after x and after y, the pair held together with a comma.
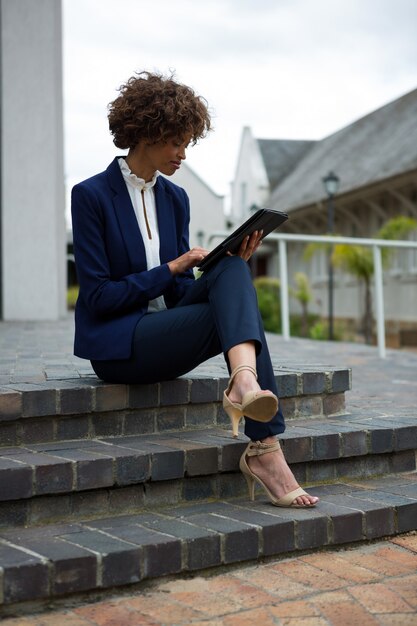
x: 379, y: 301
x: 283, y: 276
x: 375, y: 244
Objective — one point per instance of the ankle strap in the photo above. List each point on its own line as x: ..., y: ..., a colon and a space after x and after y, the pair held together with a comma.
x: 240, y: 368
x: 257, y: 448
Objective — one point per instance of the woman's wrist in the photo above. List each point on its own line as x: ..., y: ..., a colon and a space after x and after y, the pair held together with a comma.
x: 172, y: 267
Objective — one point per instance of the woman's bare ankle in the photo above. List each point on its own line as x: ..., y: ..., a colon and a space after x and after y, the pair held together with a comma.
x: 269, y: 439
x: 243, y: 382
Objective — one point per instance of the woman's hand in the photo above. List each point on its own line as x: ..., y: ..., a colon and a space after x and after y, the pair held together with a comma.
x: 190, y: 259
x: 250, y: 244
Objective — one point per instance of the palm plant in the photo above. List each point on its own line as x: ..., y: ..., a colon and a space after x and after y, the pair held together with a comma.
x: 358, y: 260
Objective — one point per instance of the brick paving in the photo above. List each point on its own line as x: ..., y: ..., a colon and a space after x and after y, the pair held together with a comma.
x: 368, y: 585
x: 374, y: 583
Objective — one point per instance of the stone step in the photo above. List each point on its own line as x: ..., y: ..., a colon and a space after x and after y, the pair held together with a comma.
x: 57, y: 410
x: 59, y: 481
x: 48, y: 562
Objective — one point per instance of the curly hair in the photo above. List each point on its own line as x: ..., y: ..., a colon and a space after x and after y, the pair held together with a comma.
x: 155, y: 108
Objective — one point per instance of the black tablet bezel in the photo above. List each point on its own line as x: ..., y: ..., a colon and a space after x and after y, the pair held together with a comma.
x: 264, y: 219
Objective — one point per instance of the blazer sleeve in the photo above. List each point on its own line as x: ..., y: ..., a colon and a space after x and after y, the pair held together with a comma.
x: 103, y: 293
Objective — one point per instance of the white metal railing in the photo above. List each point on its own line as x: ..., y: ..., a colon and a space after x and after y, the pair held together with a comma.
x: 376, y: 245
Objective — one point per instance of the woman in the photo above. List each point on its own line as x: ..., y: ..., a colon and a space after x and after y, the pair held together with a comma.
x: 141, y: 317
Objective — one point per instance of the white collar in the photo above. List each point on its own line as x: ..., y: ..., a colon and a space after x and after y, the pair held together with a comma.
x: 134, y: 180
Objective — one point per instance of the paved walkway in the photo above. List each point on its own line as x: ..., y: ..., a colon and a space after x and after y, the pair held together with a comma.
x: 35, y: 352
x: 367, y: 585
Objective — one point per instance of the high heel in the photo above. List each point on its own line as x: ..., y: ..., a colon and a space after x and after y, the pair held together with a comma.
x: 258, y: 405
x: 257, y: 448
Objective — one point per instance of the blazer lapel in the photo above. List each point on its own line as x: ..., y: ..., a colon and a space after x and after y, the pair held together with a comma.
x: 166, y: 222
x: 126, y: 217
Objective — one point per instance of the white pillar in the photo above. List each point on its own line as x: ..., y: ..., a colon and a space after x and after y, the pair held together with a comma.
x: 379, y: 300
x: 283, y: 275
x: 33, y: 242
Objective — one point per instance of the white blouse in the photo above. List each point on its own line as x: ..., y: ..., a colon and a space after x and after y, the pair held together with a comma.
x: 142, y: 195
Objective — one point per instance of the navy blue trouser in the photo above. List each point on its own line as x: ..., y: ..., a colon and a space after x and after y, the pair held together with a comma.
x: 219, y: 311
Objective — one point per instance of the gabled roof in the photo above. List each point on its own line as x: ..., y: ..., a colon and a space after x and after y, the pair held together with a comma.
x: 280, y: 157
x: 378, y: 146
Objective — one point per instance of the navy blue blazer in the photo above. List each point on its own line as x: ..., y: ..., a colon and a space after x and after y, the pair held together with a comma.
x: 115, y: 284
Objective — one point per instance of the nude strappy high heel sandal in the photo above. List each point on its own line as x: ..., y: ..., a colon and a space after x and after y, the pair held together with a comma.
x: 258, y: 405
x: 257, y: 448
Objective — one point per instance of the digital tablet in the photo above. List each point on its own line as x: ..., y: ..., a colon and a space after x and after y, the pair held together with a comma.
x: 264, y: 219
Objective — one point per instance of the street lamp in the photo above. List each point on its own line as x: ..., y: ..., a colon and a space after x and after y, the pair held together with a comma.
x: 331, y: 186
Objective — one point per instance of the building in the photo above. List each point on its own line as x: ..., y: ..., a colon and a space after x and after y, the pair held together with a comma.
x: 32, y: 204
x: 376, y: 161
x: 207, y: 207
x: 262, y: 165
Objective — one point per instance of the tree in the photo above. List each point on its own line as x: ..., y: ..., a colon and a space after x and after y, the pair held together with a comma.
x: 358, y: 260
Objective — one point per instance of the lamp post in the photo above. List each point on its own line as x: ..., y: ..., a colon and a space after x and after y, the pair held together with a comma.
x: 331, y: 185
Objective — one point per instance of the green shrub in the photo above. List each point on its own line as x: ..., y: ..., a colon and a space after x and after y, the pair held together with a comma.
x: 72, y: 295
x: 302, y: 292
x: 320, y: 331
x: 299, y: 324
x: 268, y: 292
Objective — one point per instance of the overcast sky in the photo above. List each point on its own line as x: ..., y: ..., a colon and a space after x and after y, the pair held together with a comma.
x: 289, y: 69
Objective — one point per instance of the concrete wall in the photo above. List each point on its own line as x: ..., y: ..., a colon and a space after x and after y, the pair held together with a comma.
x: 32, y: 178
